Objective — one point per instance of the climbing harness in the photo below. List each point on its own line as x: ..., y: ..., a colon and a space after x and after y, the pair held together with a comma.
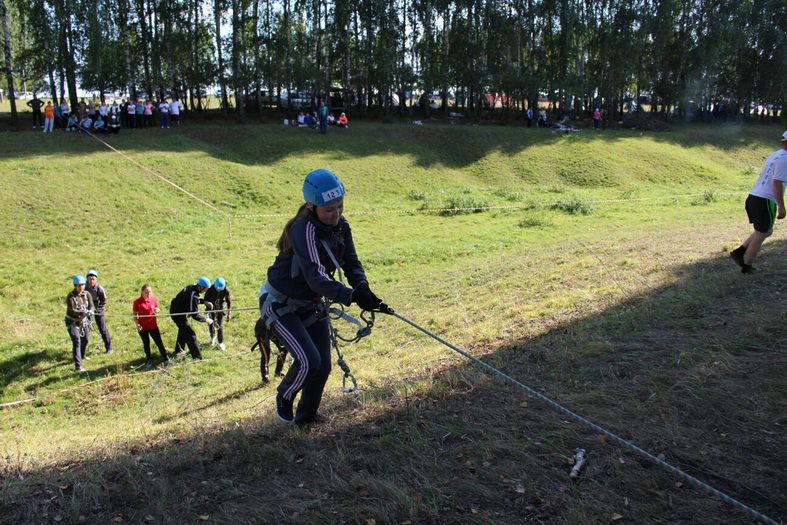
x: 752, y: 513
x: 335, y: 313
x: 363, y: 331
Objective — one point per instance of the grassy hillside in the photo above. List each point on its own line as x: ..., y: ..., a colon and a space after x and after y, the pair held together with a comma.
x: 599, y: 276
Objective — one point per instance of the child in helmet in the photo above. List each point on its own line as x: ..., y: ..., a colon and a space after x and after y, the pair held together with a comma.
x: 79, y: 311
x: 99, y: 295
x: 312, y: 244
x: 220, y: 298
x: 183, y: 306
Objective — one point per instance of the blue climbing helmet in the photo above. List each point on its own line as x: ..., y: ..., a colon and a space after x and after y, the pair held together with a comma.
x: 220, y: 283
x: 322, y: 187
x: 204, y: 282
x: 78, y: 279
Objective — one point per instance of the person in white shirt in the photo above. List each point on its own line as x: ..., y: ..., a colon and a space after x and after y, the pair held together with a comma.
x: 764, y: 204
x: 174, y: 110
x: 164, y: 109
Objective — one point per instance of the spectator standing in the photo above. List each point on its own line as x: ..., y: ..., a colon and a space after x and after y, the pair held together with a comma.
x: 131, y: 114
x: 103, y: 110
x: 145, y: 308
x: 139, y: 109
x: 164, y: 112
x: 530, y: 115
x: 148, y: 114
x: 64, y: 113
x: 322, y: 115
x: 174, y: 109
x: 596, y: 118
x: 79, y: 311
x: 58, y: 116
x: 35, y: 104
x: 49, y: 117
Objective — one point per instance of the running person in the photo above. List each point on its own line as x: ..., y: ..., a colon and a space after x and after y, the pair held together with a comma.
x: 79, y: 311
x: 764, y: 204
x: 219, y: 296
x: 298, y: 280
x: 99, y: 295
x: 185, y: 304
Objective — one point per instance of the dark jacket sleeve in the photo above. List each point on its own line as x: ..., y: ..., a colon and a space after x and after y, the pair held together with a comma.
x: 352, y: 267
x: 306, y: 251
x: 194, y: 303
x: 229, y: 299
x: 101, y: 304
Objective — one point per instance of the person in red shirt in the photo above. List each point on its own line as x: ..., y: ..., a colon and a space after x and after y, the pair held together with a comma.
x: 343, y: 122
x: 145, y: 307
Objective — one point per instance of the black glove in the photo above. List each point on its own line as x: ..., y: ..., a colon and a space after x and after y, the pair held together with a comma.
x: 363, y: 297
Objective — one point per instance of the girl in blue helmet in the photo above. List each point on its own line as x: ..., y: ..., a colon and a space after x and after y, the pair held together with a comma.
x: 300, y: 277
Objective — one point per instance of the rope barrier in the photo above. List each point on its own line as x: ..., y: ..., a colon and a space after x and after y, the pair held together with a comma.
x: 155, y: 174
x: 614, y: 437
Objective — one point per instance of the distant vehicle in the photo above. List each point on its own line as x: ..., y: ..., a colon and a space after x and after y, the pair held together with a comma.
x: 298, y: 99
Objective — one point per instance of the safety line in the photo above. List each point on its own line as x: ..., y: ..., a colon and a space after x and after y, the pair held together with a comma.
x: 484, y: 208
x: 151, y: 172
x: 159, y: 315
x: 614, y: 437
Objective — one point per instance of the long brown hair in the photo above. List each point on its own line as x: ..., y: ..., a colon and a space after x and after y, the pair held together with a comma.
x: 284, y: 244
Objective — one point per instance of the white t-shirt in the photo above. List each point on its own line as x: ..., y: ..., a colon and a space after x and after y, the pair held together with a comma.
x: 775, y: 169
x: 103, y: 110
x: 163, y: 107
x: 174, y: 107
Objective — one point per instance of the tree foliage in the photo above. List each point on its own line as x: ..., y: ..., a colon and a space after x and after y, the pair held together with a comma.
x: 473, y: 54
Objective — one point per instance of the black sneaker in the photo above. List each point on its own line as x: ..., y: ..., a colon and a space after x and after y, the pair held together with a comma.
x: 737, y: 256
x: 284, y: 409
x: 748, y: 268
x: 149, y: 364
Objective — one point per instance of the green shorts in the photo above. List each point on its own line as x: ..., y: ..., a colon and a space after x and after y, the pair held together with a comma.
x: 761, y: 212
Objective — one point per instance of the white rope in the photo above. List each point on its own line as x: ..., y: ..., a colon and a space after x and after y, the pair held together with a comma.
x: 155, y: 174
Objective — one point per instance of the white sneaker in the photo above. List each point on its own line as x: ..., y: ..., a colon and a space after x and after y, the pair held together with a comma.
x: 221, y: 347
x: 213, y: 342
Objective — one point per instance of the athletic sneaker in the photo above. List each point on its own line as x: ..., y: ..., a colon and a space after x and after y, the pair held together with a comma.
x: 149, y: 364
x: 284, y: 409
x: 737, y: 256
x: 213, y: 342
x: 222, y: 347
x: 747, y: 268
x: 80, y: 369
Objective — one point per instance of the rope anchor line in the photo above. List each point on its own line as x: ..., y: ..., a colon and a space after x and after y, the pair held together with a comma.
x: 752, y: 513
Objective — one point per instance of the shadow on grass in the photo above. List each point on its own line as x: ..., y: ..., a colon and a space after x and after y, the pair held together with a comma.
x: 25, y: 365
x: 693, y: 371
x: 432, y: 145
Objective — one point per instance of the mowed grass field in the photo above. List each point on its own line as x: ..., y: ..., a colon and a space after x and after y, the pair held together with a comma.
x: 592, y: 267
